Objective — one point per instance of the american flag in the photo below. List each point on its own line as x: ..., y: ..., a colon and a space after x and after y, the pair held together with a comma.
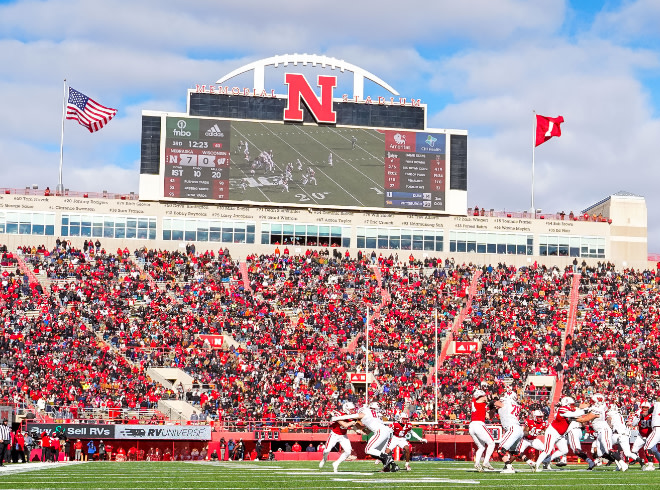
x: 87, y: 112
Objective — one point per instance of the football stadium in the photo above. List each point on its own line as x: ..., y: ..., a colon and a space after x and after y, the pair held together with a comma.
x: 300, y: 288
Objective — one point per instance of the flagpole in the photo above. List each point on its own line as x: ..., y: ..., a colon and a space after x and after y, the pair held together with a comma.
x: 60, y: 185
x: 366, y: 364
x: 533, y: 163
x: 436, y: 362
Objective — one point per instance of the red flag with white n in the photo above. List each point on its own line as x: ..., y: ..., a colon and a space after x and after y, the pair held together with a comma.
x: 547, y: 127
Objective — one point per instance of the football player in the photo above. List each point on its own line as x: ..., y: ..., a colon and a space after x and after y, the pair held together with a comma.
x: 566, y: 412
x: 509, y: 411
x: 401, y: 428
x: 479, y: 433
x: 534, y: 427
x: 370, y: 417
x: 338, y: 430
x: 597, y: 416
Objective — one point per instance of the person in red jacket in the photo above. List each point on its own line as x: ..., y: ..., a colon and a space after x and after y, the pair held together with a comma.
x: 18, y: 446
x: 78, y: 448
x: 45, y: 447
x: 296, y: 448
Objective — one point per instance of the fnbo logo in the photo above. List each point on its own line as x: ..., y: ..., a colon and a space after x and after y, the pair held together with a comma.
x: 181, y: 124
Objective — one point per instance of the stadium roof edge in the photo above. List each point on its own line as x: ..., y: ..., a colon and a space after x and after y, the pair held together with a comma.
x: 619, y: 194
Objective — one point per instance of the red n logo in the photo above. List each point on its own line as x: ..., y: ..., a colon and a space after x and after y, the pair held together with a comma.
x: 300, y: 90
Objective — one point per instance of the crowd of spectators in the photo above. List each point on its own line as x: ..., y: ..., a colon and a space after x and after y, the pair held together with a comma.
x: 82, y: 337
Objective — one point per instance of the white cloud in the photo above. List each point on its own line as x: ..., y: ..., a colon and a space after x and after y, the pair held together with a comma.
x: 634, y: 20
x: 495, y: 60
x: 608, y: 140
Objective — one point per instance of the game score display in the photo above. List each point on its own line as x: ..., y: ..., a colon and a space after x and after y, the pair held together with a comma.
x: 197, y: 158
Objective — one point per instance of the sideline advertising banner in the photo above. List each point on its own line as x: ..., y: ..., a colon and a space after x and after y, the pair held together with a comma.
x: 164, y: 432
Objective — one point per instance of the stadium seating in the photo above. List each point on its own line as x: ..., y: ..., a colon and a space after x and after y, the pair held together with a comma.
x: 84, y: 326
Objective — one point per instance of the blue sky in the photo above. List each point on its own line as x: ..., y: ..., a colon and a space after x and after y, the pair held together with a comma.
x: 480, y: 65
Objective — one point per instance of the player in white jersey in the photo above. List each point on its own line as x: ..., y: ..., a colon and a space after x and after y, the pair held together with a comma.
x: 621, y: 433
x: 597, y: 415
x: 509, y: 411
x: 330, y: 159
x: 369, y: 417
x: 651, y: 444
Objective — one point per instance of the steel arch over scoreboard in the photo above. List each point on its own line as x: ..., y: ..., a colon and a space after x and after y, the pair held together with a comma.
x: 259, y: 75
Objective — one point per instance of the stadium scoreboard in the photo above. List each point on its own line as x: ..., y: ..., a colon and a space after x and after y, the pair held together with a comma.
x: 215, y: 159
x: 233, y: 149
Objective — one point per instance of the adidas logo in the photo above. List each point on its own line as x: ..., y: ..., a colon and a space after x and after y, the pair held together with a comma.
x: 214, y: 131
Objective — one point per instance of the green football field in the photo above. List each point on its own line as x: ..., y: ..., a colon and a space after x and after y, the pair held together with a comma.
x: 280, y: 475
x: 355, y: 178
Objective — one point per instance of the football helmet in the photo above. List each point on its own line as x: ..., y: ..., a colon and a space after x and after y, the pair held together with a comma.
x: 478, y: 393
x: 374, y: 406
x: 646, y: 405
x: 510, y: 395
x: 598, y: 398
x: 567, y: 401
x: 404, y: 416
x: 537, y: 414
x: 348, y: 407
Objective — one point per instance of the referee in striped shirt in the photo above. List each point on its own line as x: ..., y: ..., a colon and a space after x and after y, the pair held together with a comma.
x: 5, y: 440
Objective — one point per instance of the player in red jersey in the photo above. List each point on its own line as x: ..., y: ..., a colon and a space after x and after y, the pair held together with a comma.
x: 644, y: 428
x: 534, y: 427
x: 401, y: 428
x: 479, y: 433
x: 338, y: 430
x: 566, y: 412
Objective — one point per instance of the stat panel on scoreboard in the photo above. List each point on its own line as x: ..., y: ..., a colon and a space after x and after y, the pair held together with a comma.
x: 414, y: 170
x: 231, y: 160
x: 197, y: 158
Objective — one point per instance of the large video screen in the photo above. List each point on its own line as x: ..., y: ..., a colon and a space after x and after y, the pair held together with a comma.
x: 229, y: 160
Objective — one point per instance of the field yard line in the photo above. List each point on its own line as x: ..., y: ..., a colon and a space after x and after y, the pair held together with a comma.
x: 15, y: 469
x: 412, y: 480
x: 310, y: 163
x: 339, y: 133
x: 345, y: 161
x: 262, y: 192
x: 278, y: 167
x: 374, y: 134
x: 560, y: 484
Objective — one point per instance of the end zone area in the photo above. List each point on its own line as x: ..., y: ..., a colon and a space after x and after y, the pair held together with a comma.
x: 274, y: 474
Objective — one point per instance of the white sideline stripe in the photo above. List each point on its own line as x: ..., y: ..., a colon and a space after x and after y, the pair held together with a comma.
x: 15, y: 468
x: 410, y: 480
x: 330, y: 473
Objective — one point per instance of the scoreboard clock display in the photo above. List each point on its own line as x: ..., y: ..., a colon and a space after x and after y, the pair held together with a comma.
x: 197, y: 158
x: 264, y: 162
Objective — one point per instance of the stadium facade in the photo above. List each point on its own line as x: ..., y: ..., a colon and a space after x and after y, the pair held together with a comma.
x: 247, y: 169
